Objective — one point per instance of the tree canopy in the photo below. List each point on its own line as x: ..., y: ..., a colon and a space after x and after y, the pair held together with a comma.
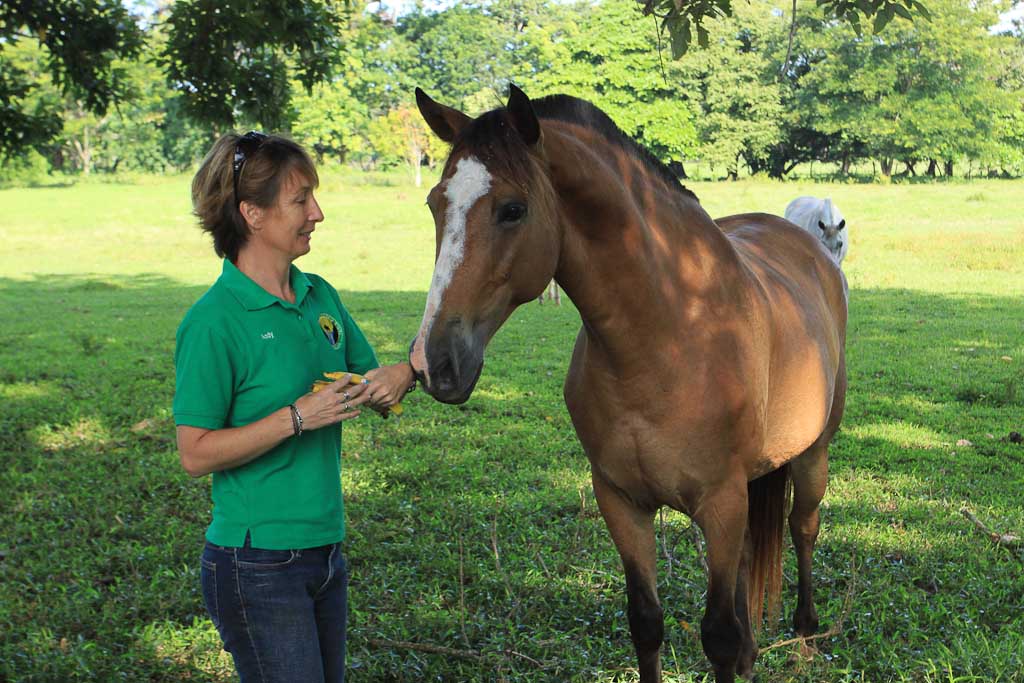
x: 763, y: 95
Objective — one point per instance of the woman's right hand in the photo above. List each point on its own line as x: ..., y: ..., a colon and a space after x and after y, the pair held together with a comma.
x: 336, y: 402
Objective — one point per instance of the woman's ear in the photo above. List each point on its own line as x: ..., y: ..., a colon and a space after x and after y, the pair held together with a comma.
x: 252, y: 214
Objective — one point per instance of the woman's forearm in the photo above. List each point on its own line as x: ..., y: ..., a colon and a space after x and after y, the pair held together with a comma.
x: 211, y: 450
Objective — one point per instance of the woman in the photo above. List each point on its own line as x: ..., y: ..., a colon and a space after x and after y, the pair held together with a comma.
x: 248, y: 352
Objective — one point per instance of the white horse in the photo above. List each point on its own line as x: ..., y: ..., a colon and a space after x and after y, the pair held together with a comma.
x: 551, y: 292
x: 821, y: 218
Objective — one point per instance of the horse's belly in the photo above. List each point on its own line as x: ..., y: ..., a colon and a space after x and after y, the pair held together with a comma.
x: 798, y: 409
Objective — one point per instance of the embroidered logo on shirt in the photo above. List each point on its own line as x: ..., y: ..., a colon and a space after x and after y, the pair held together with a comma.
x: 331, y: 330
x: 267, y: 335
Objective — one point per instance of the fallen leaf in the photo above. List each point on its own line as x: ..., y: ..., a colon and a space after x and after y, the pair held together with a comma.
x: 964, y: 442
x: 1006, y: 358
x: 142, y: 425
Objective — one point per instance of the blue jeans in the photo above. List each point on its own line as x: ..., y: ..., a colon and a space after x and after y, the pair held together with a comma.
x: 280, y: 613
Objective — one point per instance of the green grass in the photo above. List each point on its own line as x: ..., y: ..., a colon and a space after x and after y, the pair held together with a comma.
x: 100, y: 528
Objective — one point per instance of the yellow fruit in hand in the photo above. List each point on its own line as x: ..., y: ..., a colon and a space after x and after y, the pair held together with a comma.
x: 355, y: 379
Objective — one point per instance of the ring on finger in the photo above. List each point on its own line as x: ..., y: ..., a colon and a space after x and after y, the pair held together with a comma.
x: 345, y: 406
x: 345, y: 395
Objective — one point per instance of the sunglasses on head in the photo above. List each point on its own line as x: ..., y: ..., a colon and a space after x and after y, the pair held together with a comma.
x: 246, y: 146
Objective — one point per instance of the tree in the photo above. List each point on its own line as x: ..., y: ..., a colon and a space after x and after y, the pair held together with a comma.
x: 145, y: 131
x: 83, y: 42
x: 681, y: 19
x: 330, y: 121
x: 238, y: 60
x: 610, y: 58
x: 230, y: 60
x: 460, y: 52
x: 733, y: 81
x: 402, y: 134
x: 923, y: 90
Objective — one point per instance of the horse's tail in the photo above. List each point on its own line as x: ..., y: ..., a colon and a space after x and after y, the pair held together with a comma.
x: 768, y: 502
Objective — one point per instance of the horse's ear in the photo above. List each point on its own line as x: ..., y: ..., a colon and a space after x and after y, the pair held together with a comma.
x: 523, y: 117
x: 444, y: 121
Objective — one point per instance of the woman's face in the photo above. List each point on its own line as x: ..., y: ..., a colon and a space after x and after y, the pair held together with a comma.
x: 287, y: 226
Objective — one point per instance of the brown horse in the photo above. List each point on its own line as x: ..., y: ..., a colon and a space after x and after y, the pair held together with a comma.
x: 724, y: 387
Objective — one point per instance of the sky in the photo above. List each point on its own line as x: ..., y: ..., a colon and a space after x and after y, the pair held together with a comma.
x: 1017, y: 12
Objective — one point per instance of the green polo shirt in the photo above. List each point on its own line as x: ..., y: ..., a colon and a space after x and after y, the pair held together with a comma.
x: 242, y: 354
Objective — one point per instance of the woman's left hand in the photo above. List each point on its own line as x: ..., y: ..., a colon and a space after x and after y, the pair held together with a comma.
x: 388, y: 384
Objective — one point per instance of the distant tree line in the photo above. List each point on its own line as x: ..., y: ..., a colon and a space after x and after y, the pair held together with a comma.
x: 762, y: 94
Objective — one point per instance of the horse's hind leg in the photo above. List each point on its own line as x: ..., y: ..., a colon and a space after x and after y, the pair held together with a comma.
x: 632, y: 530
x: 810, y: 474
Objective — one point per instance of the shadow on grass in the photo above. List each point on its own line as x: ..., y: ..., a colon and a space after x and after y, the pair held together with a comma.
x: 474, y: 526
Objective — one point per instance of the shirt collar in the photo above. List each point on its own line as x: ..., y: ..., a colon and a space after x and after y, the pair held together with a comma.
x: 252, y: 296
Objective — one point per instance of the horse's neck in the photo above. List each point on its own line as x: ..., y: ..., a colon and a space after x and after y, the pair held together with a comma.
x: 639, y: 259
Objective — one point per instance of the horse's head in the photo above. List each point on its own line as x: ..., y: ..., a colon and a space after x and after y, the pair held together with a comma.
x: 498, y: 238
x: 833, y: 236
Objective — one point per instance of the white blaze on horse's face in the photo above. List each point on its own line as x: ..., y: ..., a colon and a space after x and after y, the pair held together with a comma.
x: 470, y: 182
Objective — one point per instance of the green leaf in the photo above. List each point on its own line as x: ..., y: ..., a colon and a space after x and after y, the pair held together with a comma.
x: 883, y: 18
x: 702, y: 36
x: 681, y: 36
x: 903, y: 12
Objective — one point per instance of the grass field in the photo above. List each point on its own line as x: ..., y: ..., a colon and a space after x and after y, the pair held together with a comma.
x: 474, y: 527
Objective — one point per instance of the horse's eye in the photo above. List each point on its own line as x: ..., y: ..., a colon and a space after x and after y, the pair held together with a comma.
x: 842, y: 224
x: 821, y: 225
x: 511, y: 213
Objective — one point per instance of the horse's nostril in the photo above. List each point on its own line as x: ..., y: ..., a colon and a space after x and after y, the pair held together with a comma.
x: 839, y: 246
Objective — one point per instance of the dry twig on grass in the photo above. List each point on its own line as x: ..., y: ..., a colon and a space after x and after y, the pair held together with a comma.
x: 426, y: 647
x: 836, y: 628
x: 474, y: 655
x: 1009, y: 541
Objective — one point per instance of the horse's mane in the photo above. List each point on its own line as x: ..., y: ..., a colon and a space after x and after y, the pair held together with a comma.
x: 581, y: 112
x: 492, y: 137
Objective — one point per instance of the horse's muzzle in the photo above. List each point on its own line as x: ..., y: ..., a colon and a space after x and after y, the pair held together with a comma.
x: 454, y: 363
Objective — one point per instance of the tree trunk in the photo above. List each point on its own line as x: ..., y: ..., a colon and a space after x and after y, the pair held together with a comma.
x: 885, y: 164
x: 844, y: 168
x: 949, y: 168
x: 84, y: 151
x: 910, y: 167
x: 931, y: 167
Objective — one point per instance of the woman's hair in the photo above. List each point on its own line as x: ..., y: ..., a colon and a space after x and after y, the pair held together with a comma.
x: 267, y: 165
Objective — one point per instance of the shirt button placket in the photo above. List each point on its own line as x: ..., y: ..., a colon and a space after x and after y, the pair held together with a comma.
x: 310, y: 333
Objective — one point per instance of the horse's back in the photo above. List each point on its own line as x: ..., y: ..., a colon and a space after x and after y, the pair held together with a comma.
x: 777, y: 250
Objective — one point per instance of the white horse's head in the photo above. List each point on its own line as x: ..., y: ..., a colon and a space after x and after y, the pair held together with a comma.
x: 832, y: 231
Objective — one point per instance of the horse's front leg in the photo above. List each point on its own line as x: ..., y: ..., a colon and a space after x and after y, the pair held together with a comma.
x: 722, y: 516
x: 632, y: 530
